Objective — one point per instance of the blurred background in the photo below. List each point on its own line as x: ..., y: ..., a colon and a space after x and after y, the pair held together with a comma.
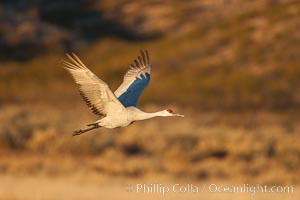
x: 231, y: 67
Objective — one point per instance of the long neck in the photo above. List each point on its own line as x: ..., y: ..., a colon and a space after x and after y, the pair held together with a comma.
x: 144, y: 115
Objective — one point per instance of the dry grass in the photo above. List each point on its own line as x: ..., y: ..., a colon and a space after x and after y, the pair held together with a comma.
x: 237, y: 61
x: 254, y: 148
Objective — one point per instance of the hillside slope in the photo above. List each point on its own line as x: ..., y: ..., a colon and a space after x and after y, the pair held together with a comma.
x: 224, y: 54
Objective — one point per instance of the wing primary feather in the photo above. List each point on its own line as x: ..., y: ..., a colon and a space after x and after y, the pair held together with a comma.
x: 143, y: 56
x: 71, y: 58
x: 140, y: 60
x: 74, y: 61
x: 78, y: 60
x: 69, y: 65
x: 132, y: 66
x: 148, y: 59
x: 136, y: 63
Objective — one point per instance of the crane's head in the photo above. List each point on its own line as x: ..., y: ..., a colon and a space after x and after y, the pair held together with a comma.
x: 170, y: 112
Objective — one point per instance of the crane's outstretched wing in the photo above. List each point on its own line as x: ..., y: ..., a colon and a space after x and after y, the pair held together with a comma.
x: 135, y: 80
x: 93, y: 90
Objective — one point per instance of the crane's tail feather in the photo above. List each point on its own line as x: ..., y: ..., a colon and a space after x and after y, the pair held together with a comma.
x: 81, y: 131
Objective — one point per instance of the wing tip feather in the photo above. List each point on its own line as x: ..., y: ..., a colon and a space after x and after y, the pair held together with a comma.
x: 74, y: 61
x: 145, y: 56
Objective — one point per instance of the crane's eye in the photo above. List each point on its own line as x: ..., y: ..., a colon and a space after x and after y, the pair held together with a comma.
x: 170, y: 111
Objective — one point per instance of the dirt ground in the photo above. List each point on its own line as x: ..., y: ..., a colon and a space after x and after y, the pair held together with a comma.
x: 223, y: 149
x: 94, y: 187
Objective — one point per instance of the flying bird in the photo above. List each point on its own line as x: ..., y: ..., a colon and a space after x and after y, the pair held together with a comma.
x: 116, y: 109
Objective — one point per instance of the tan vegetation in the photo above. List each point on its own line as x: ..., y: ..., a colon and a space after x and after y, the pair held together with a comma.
x: 202, y: 146
x: 237, y: 60
x: 231, y: 67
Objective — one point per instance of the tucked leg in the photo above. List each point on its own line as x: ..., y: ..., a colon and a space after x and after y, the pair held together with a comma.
x: 81, y: 131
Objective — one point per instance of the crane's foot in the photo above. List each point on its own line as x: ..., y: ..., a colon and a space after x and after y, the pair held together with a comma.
x: 79, y: 132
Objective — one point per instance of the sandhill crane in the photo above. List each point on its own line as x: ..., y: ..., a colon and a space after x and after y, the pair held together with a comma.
x: 116, y: 109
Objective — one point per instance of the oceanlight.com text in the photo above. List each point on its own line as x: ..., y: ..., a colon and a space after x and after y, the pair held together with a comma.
x: 250, y: 189
x: 164, y: 189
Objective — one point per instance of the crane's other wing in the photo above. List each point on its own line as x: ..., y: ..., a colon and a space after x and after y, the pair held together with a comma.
x: 93, y: 90
x: 135, y: 80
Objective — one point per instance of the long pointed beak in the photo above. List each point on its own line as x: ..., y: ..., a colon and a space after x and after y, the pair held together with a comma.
x: 178, y: 115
